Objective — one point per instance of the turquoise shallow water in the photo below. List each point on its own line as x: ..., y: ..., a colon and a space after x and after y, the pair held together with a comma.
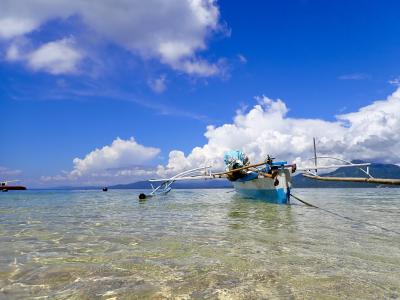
x: 198, y: 244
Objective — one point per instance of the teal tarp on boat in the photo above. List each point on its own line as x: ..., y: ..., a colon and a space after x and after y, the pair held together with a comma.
x: 235, y: 155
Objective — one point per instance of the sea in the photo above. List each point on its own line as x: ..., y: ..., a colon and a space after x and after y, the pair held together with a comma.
x: 199, y: 244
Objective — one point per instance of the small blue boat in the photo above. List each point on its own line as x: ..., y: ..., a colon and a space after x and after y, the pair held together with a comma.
x: 274, y: 190
x: 268, y: 181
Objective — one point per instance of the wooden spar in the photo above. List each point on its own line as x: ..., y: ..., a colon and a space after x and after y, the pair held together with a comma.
x: 241, y: 169
x: 334, y: 166
x: 355, y: 179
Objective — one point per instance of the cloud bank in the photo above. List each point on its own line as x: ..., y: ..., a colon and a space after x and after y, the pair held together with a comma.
x: 173, y: 32
x: 118, y: 162
x: 371, y: 133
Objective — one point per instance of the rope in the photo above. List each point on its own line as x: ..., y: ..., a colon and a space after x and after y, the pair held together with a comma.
x: 302, y: 201
x: 344, y: 217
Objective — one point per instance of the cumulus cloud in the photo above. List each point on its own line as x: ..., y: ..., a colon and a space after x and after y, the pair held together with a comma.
x: 57, y: 57
x: 122, y: 161
x: 121, y: 153
x: 371, y: 133
x: 171, y: 31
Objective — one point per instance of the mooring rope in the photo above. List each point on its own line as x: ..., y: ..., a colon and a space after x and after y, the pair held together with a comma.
x: 344, y: 217
x: 230, y: 191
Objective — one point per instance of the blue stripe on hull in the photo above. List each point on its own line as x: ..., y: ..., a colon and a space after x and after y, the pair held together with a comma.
x: 279, y: 196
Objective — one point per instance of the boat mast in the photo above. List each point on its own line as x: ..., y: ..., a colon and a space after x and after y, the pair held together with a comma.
x: 315, y: 156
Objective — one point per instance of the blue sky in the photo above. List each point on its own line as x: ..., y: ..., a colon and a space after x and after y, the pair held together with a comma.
x: 322, y: 58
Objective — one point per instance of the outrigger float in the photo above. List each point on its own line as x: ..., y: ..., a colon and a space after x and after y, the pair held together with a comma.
x: 268, y: 180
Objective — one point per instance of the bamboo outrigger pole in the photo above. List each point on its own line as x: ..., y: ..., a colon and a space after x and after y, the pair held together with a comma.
x: 218, y: 175
x: 355, y: 179
x: 238, y: 169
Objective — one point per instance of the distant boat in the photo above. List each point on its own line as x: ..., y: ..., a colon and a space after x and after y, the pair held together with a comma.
x: 105, y: 189
x: 5, y: 187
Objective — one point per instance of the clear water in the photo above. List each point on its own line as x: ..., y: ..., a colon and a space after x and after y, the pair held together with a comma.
x: 199, y: 244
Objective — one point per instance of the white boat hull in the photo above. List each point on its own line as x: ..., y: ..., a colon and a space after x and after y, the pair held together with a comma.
x: 265, y: 189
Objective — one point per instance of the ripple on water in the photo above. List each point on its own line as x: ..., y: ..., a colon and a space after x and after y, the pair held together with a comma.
x: 198, y: 244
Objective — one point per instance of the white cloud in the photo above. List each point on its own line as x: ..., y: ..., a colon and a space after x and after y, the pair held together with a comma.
x: 395, y: 81
x: 354, y: 76
x: 121, y: 162
x: 5, y: 173
x: 158, y: 85
x: 121, y: 153
x: 55, y: 178
x: 58, y: 57
x: 199, y: 67
x: 371, y: 133
x: 171, y: 31
x: 12, y: 27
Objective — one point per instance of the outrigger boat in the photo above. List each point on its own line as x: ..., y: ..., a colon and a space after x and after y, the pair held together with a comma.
x: 268, y: 180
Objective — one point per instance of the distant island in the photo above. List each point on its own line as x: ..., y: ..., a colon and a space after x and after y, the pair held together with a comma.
x: 375, y: 169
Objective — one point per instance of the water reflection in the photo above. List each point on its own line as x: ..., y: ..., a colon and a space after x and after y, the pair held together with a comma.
x: 259, y: 212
